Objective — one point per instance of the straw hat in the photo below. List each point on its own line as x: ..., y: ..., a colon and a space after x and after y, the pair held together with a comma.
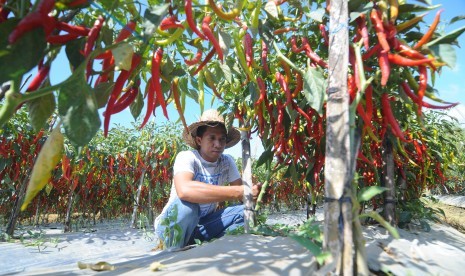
x: 210, y: 117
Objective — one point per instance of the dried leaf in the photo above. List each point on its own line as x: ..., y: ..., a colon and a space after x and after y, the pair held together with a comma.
x: 48, y: 158
x: 156, y: 266
x: 100, y: 266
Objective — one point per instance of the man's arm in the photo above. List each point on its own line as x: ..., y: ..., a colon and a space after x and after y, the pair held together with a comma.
x: 199, y: 192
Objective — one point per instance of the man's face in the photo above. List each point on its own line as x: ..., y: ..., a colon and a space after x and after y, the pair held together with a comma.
x: 212, y: 143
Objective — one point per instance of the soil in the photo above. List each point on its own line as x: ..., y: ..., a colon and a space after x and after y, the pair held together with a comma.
x: 455, y: 216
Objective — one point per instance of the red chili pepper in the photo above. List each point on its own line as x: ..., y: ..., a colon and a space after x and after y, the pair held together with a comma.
x: 45, y: 6
x: 196, y: 59
x: 28, y: 23
x: 106, y: 66
x: 324, y: 34
x: 422, y: 86
x: 76, y: 30
x: 312, y: 55
x: 126, y: 31
x: 93, y: 34
x: 61, y: 39
x: 169, y: 23
x: 362, y: 27
x: 282, y: 82
x: 427, y: 36
x: 190, y: 19
x: 4, y: 11
x: 264, y: 57
x: 248, y: 46
x: 400, y: 60
x: 378, y: 25
x: 127, y: 99
x: 384, y: 66
x: 156, y: 65
x: 77, y: 3
x: 391, y: 120
x: 205, y: 61
x: 408, y: 91
x: 211, y: 37
x: 299, y: 85
x: 38, y: 79
x: 375, y: 49
x: 119, y: 84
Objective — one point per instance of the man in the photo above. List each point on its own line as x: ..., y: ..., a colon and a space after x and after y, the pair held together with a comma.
x: 200, y: 176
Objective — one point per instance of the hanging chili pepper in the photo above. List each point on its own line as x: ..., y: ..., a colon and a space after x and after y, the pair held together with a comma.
x: 408, y: 91
x: 127, y: 99
x: 378, y: 25
x: 119, y: 84
x: 205, y: 61
x: 156, y: 65
x: 422, y: 85
x: 294, y: 47
x: 170, y: 22
x: 400, y: 60
x: 391, y: 120
x: 196, y: 59
x: 362, y: 28
x: 248, y: 47
x: 264, y: 57
x: 324, y: 34
x: 76, y: 30
x: 284, y: 30
x: 190, y: 19
x: 299, y: 85
x: 287, y: 92
x: 211, y: 37
x: 32, y: 21
x: 88, y: 47
x: 312, y: 55
x: 39, y: 78
x: 61, y: 39
x: 126, y: 31
x: 384, y: 66
x: 429, y: 34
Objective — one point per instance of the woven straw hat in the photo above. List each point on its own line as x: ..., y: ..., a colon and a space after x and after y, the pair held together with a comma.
x: 210, y: 117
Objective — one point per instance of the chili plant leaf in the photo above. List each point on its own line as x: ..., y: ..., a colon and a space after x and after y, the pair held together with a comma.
x: 78, y: 108
x: 19, y: 58
x: 314, y: 89
x: 123, y: 56
x: 137, y: 105
x: 153, y: 17
x: 447, y: 54
x: 102, y: 93
x: 40, y: 110
x: 369, y: 192
x: 374, y: 215
x: 449, y: 38
x: 48, y: 158
x: 73, y: 51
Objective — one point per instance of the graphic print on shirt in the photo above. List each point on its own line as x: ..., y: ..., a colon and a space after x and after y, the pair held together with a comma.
x: 210, y: 179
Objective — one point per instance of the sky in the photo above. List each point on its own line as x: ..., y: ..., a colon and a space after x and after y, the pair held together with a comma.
x: 450, y: 84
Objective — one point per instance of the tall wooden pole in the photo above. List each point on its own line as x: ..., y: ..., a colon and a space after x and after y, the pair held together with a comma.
x: 338, y: 207
x: 249, y: 217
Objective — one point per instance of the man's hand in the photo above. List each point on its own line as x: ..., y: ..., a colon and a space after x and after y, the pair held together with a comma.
x: 256, y: 188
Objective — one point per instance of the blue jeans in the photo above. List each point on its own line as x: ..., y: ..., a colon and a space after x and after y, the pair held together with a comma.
x: 182, y: 223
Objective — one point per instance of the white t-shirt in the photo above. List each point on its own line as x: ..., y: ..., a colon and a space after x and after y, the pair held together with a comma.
x: 221, y: 172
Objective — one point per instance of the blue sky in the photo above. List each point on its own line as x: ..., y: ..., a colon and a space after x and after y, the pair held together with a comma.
x: 450, y: 84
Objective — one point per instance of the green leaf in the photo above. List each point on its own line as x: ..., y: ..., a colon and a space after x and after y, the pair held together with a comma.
x: 136, y: 106
x: 315, y: 89
x: 102, y: 93
x: 447, y: 54
x: 412, y: 8
x: 368, y: 192
x: 78, y: 108
x: 457, y: 18
x: 73, y: 52
x: 266, y: 156
x: 123, y: 56
x: 40, y: 110
x: 224, y: 39
x: 449, y: 38
x: 226, y: 71
x: 312, y: 247
x: 153, y: 17
x: 19, y: 58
